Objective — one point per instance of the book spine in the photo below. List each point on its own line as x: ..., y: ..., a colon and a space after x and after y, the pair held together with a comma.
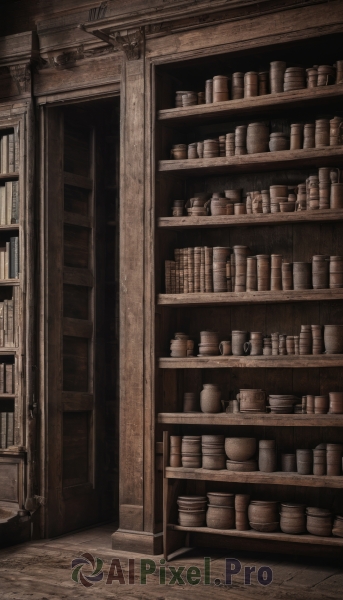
x: 185, y: 270
x: 2, y: 378
x: 202, y: 269
x: 3, y: 429
x: 208, y: 269
x: 11, y: 153
x: 177, y: 270
x: 167, y: 276
x: 7, y: 261
x: 16, y: 315
x: 9, y: 193
x: 10, y: 429
x: 16, y: 149
x: 10, y: 339
x: 3, y: 205
x: 181, y: 272
x: 14, y: 258
x: 8, y: 379
x: 197, y: 262
x: 15, y: 202
x: 190, y: 270
x: 172, y: 276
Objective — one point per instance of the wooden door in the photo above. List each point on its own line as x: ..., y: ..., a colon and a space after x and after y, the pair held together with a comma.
x: 74, y: 415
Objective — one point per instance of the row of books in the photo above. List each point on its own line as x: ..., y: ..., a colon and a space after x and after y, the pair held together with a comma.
x: 9, y: 203
x: 6, y: 429
x: 9, y: 152
x: 7, y: 378
x: 9, y: 259
x: 9, y: 321
x: 191, y: 271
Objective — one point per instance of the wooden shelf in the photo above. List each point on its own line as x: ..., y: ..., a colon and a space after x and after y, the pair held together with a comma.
x: 253, y: 362
x: 260, y: 419
x: 9, y: 396
x: 9, y: 227
x: 10, y: 176
x: 306, y: 216
x: 269, y: 297
x: 244, y: 106
x: 9, y: 282
x: 278, y: 536
x: 276, y: 478
x: 264, y: 161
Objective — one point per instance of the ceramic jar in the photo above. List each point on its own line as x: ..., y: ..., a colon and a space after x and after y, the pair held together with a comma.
x: 250, y: 84
x: 220, y: 88
x: 276, y: 75
x: 257, y: 138
x: 267, y: 456
x: 238, y: 340
x: 237, y: 89
x: 302, y: 275
x: 319, y: 521
x: 220, y: 517
x: 333, y: 339
x: 210, y: 398
x: 304, y: 462
x: 278, y: 141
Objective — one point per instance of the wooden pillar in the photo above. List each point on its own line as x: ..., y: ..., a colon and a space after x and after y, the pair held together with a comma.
x: 136, y: 491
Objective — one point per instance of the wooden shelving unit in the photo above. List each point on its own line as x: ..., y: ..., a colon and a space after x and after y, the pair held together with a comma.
x: 297, y: 236
x: 306, y: 216
x: 252, y: 362
x: 223, y: 298
x: 245, y: 106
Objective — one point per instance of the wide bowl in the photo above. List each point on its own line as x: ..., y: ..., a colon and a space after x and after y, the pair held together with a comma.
x: 240, y: 449
x: 221, y: 499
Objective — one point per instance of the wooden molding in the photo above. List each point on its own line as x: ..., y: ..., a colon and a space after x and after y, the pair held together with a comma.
x: 21, y: 75
x: 130, y: 41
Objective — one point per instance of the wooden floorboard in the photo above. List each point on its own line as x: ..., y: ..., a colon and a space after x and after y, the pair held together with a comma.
x: 41, y: 570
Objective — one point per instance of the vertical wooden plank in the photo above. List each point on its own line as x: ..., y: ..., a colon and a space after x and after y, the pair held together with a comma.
x: 54, y: 311
x: 132, y: 296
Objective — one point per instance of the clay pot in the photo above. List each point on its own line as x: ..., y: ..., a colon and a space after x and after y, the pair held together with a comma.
x: 251, y: 400
x: 263, y: 83
x: 326, y: 75
x: 240, y: 139
x: 319, y: 461
x: 220, y: 517
x: 230, y: 144
x: 240, y: 449
x: 267, y: 456
x: 321, y: 405
x: 304, y: 462
x: 292, y: 521
x: 333, y: 339
x: 336, y: 196
x: 254, y: 345
x: 238, y: 340
x: 220, y: 88
x: 333, y: 459
x: 190, y: 402
x: 302, y: 275
x: 336, y: 272
x: 336, y: 131
x: 251, y: 283
x: 209, y: 337
x: 297, y: 133
x: 242, y: 502
x: 221, y: 499
x: 276, y: 75
x: 175, y: 443
x: 178, y: 97
x: 178, y: 348
x: 322, y: 133
x: 263, y: 272
x: 211, y: 148
x: 210, y: 398
x: 209, y: 91
x: 263, y: 511
x: 213, y: 461
x: 225, y: 348
x: 278, y: 141
x: 257, y: 138
x: 312, y: 77
x: 288, y: 463
x: 336, y: 403
x: 319, y: 522
x: 191, y: 461
x: 237, y: 89
x: 320, y: 272
x: 309, y: 139
x: 194, y: 518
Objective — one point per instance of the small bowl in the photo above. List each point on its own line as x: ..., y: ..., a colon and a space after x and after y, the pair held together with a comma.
x: 287, y: 206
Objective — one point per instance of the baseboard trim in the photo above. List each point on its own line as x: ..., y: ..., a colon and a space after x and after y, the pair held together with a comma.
x: 139, y: 542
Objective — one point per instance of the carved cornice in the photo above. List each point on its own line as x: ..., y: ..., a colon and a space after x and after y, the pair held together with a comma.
x: 21, y: 75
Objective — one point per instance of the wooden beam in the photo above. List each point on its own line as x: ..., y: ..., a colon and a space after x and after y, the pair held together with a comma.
x: 258, y: 419
x: 254, y: 362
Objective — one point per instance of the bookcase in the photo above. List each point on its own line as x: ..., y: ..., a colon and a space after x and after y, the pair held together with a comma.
x: 297, y: 236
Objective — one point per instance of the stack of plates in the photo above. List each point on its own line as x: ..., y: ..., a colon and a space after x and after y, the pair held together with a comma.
x: 282, y: 403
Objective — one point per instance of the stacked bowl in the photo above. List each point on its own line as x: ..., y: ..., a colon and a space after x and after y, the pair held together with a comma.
x: 240, y: 453
x: 220, y: 510
x: 282, y: 403
x: 191, y: 451
x: 263, y: 515
x: 192, y: 510
x: 213, y: 453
